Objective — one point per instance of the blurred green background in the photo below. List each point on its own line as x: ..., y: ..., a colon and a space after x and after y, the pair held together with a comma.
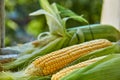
x: 22, y: 28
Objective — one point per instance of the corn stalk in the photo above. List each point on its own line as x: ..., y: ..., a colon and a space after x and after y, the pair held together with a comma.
x: 2, y: 28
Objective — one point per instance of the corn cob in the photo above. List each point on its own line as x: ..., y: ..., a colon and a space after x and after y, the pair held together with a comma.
x: 70, y: 69
x: 107, y: 68
x: 113, y: 49
x: 55, y: 61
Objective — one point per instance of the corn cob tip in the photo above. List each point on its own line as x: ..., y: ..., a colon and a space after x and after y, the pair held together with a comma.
x: 32, y: 70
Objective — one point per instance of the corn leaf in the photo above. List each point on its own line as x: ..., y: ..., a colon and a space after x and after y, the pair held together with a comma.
x: 55, y: 24
x: 71, y: 15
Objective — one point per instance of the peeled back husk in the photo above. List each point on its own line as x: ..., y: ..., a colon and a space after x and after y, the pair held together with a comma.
x: 105, y: 69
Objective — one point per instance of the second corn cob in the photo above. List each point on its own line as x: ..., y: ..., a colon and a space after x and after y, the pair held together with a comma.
x: 55, y: 61
x: 107, y: 68
x: 70, y: 69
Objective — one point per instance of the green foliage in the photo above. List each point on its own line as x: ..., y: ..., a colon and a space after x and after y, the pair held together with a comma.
x: 36, y: 26
x: 17, y: 13
x: 91, y: 9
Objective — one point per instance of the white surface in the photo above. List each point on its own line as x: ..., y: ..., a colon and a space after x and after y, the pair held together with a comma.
x: 111, y: 13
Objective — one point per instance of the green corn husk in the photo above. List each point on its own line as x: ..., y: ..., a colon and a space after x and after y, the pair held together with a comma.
x: 20, y: 76
x: 105, y: 69
x: 97, y: 31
